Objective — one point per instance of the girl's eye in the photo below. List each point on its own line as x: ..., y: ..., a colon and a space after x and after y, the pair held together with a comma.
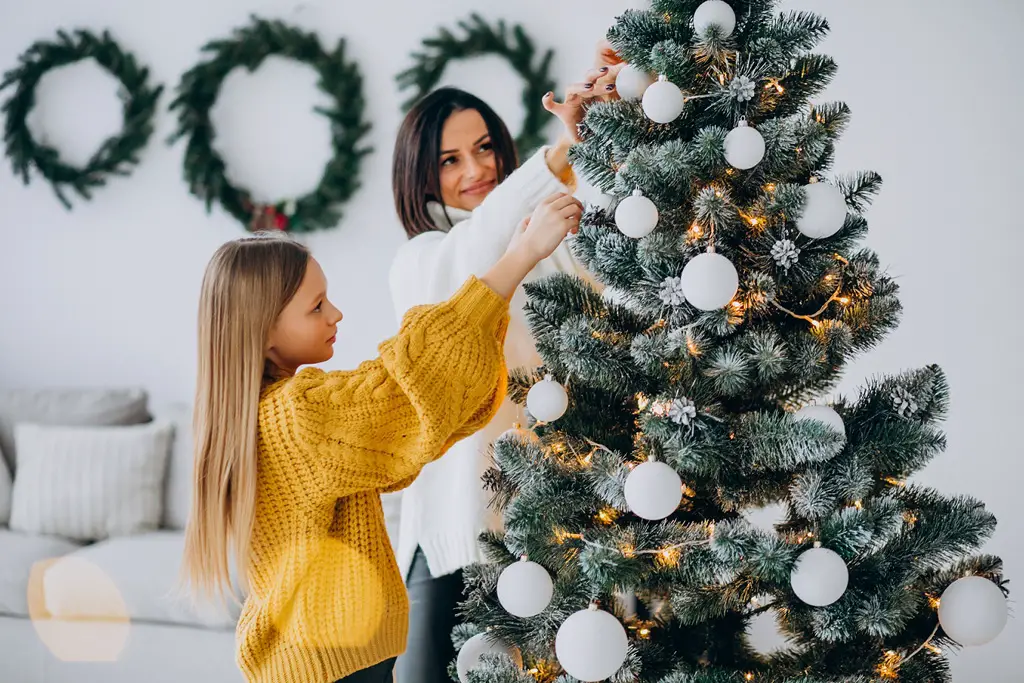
x: 486, y: 147
x: 448, y: 161
x: 319, y: 306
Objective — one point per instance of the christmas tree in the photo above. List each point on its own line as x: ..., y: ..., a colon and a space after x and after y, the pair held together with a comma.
x: 691, y: 391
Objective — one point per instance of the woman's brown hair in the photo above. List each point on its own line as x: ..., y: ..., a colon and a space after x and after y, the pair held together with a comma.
x: 416, y: 167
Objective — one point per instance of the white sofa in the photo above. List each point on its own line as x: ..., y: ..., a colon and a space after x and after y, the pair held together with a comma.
x: 119, y: 618
x: 106, y: 611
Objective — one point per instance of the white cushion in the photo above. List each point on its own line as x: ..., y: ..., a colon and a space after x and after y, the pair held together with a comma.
x: 67, y: 406
x: 5, y: 491
x: 18, y: 553
x: 133, y: 574
x: 178, y: 482
x: 89, y: 483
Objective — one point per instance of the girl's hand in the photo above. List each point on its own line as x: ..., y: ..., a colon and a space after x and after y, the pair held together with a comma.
x: 535, y: 239
x: 540, y: 234
x: 598, y: 85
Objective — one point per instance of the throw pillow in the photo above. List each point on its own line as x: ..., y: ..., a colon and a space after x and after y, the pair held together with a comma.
x: 5, y: 492
x: 89, y: 483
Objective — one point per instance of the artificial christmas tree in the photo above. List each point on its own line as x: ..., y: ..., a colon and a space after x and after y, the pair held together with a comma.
x: 731, y: 306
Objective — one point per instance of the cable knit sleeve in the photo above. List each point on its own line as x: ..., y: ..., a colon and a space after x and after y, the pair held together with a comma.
x: 431, y: 266
x: 441, y: 378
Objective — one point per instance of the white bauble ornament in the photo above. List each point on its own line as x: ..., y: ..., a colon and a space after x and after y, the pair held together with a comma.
x: 636, y: 216
x: 825, y: 414
x: 525, y: 589
x: 824, y: 211
x: 478, y: 645
x: 973, y: 611
x: 547, y: 400
x: 663, y: 101
x: 632, y: 83
x: 710, y: 281
x: 819, y: 577
x: 744, y: 147
x: 717, y: 13
x: 653, y: 490
x: 591, y: 645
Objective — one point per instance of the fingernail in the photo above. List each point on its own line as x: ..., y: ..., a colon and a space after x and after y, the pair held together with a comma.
x: 588, y: 86
x: 610, y: 87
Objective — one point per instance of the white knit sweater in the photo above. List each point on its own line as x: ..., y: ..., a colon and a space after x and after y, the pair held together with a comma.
x: 445, y: 509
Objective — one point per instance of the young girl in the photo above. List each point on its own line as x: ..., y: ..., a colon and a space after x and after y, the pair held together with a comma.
x: 459, y: 195
x: 290, y: 463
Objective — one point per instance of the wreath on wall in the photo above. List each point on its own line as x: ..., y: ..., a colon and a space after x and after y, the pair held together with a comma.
x: 204, y: 169
x: 118, y: 154
x: 481, y: 39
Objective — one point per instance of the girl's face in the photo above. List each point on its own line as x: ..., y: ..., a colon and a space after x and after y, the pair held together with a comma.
x: 469, y: 169
x: 304, y: 333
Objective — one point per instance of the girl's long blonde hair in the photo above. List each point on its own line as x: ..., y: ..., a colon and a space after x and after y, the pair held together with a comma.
x: 247, y: 284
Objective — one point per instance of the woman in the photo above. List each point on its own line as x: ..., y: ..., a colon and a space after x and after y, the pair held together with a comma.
x: 460, y: 194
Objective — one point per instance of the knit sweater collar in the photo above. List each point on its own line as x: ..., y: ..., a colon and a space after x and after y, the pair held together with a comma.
x: 446, y: 218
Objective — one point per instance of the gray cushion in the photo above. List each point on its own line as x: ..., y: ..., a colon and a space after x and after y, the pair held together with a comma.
x: 178, y: 481
x: 18, y: 552
x: 67, y: 406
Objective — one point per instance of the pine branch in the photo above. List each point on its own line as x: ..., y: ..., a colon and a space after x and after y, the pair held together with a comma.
x: 636, y: 32
x: 497, y: 668
x: 671, y: 58
x: 947, y: 528
x: 809, y: 76
x: 763, y: 441
x: 860, y: 188
x: 798, y: 31
x: 662, y: 170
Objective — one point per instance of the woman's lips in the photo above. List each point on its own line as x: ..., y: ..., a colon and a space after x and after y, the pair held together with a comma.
x: 480, y: 188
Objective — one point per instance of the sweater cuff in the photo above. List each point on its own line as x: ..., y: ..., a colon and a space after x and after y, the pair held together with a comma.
x: 481, y: 305
x: 568, y: 179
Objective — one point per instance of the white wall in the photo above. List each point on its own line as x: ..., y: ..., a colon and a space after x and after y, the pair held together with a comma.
x: 107, y: 293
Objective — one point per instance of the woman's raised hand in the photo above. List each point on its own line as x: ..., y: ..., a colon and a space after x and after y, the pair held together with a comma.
x: 605, y: 55
x: 598, y: 85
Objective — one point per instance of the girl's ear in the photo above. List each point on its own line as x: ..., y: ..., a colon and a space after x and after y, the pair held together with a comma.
x: 268, y: 347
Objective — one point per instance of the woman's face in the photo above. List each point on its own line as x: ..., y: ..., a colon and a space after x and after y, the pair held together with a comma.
x: 468, y: 166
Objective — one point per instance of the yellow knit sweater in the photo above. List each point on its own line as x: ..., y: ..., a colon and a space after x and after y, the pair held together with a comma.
x: 325, y: 596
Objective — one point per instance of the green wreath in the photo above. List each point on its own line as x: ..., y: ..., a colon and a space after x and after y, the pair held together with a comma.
x: 118, y: 154
x: 482, y: 39
x: 204, y: 167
